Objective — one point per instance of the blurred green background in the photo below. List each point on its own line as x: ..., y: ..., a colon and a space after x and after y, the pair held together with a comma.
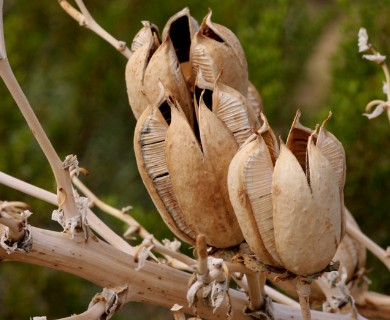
x: 301, y: 54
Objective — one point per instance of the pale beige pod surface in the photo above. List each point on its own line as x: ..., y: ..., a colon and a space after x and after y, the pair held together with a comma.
x: 164, y: 67
x: 146, y: 42
x: 307, y: 221
x: 149, y: 148
x: 215, y: 48
x: 235, y: 111
x: 250, y: 183
x: 199, y: 176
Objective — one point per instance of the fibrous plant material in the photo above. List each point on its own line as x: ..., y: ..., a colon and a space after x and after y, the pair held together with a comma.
x: 191, y: 121
x: 290, y: 203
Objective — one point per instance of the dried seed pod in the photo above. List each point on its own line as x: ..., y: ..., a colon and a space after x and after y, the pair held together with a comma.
x: 198, y: 173
x: 146, y: 43
x: 235, y: 111
x: 306, y: 212
x: 143, y: 36
x: 149, y: 147
x: 164, y: 66
x: 229, y: 105
x: 289, y: 205
x: 350, y: 253
x: 250, y: 182
x: 180, y: 28
x: 214, y: 49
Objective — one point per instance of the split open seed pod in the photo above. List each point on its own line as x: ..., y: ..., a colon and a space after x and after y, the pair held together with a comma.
x: 229, y: 105
x: 235, y: 111
x: 164, y: 66
x: 308, y: 211
x: 143, y: 36
x: 198, y: 171
x: 144, y: 44
x: 250, y: 184
x: 215, y: 48
x: 180, y: 28
x: 149, y: 146
x: 289, y: 205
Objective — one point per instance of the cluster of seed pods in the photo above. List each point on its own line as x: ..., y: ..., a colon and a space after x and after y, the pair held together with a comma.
x: 212, y: 164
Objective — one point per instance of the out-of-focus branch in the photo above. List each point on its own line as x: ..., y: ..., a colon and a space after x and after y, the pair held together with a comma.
x: 85, y: 19
x: 64, y: 186
x: 95, y: 312
x: 381, y: 254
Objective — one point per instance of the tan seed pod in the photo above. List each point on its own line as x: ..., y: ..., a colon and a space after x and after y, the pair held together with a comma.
x: 350, y: 253
x: 136, y: 67
x: 306, y: 217
x: 250, y: 184
x: 214, y: 49
x: 333, y: 150
x: 149, y: 147
x: 164, y: 66
x: 198, y: 173
x: 235, y: 111
x: 143, y: 36
x: 297, y: 140
x: 180, y: 28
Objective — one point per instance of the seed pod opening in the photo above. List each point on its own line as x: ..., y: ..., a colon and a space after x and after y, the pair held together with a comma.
x: 215, y: 48
x: 164, y: 67
x: 180, y: 28
x: 143, y: 36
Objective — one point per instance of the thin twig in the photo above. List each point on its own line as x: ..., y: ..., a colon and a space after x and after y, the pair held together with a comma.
x: 85, y: 19
x: 96, y: 224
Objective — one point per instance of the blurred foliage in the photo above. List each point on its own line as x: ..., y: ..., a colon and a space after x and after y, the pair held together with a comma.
x: 75, y: 83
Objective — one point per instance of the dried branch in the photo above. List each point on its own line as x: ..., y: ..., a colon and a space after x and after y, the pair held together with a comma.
x: 85, y: 19
x: 95, y: 312
x: 94, y: 222
x: 64, y: 186
x: 156, y: 284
